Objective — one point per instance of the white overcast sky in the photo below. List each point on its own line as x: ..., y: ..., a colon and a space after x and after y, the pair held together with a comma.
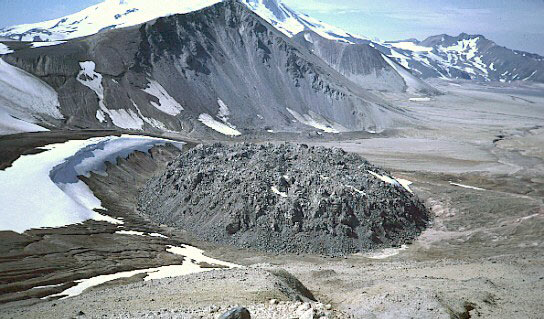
x: 518, y: 24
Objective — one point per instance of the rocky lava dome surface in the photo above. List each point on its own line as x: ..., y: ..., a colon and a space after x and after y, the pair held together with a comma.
x: 284, y: 198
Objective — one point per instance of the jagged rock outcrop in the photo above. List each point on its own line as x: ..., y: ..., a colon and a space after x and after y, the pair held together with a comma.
x: 284, y: 198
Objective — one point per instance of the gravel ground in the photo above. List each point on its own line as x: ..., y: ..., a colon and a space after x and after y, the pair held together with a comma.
x: 481, y: 257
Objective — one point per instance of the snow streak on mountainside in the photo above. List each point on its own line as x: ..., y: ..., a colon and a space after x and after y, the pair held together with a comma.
x: 471, y: 57
x: 114, y: 14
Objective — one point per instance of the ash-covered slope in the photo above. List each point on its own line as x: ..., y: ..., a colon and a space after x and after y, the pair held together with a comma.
x: 465, y: 56
x: 222, y: 68
x: 363, y: 64
x: 284, y: 198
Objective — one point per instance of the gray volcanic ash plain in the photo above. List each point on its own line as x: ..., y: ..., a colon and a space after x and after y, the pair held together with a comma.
x: 284, y: 198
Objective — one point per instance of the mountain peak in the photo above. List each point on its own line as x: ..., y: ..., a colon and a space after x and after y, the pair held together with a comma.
x: 115, y: 14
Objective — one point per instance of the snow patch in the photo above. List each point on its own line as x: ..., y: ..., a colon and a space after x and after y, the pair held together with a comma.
x: 405, y: 183
x: 93, y: 80
x: 385, y: 178
x: 215, y: 125
x: 4, y: 49
x: 319, y: 123
x: 127, y: 119
x: 139, y: 233
x: 151, y: 121
x: 167, y: 104
x: 48, y: 286
x: 385, y: 253
x: 420, y: 99
x: 356, y: 190
x: 24, y: 96
x: 467, y: 186
x: 191, y: 263
x: 401, y: 58
x: 12, y: 125
x: 394, y: 181
x: 276, y: 191
x: 130, y: 233
x: 46, y: 44
x: 413, y: 84
x: 224, y: 112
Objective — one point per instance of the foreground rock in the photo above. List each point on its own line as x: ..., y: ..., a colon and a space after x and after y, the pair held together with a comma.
x: 236, y: 313
x: 284, y: 198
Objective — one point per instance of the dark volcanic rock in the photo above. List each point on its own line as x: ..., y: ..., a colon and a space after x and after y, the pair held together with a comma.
x: 283, y: 198
x: 236, y: 313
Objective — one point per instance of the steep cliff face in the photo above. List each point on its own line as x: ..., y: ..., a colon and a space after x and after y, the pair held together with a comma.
x: 219, y: 70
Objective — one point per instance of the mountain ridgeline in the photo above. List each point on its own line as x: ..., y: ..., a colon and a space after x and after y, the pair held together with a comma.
x: 469, y: 57
x: 363, y: 64
x: 219, y: 70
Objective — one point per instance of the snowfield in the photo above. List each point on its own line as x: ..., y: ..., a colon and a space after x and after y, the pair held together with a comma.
x: 22, y: 98
x: 12, y: 125
x: 49, y: 194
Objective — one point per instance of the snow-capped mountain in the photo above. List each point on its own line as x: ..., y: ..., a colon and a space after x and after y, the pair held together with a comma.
x: 219, y: 70
x: 465, y: 57
x: 114, y: 14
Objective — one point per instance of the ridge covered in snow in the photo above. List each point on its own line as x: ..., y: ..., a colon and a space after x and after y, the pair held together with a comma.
x: 114, y: 14
x: 470, y: 57
x: 463, y: 57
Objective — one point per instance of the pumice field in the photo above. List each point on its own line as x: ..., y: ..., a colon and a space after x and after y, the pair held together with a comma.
x: 241, y: 159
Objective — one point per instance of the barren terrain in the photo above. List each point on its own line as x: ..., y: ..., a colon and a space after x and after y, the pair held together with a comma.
x: 475, y: 157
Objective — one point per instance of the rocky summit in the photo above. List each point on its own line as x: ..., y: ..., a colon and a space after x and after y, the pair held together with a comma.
x: 284, y: 198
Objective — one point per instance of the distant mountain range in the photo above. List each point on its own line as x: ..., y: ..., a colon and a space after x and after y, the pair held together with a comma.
x: 462, y: 57
x: 465, y: 56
